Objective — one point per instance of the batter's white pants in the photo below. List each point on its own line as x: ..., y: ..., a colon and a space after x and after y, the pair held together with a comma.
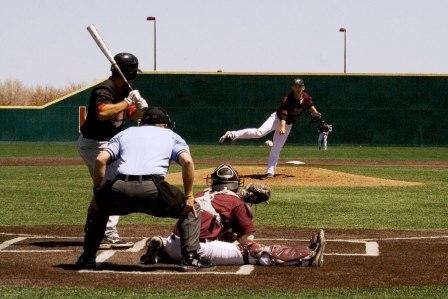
x: 89, y: 150
x: 271, y: 124
x: 322, y: 140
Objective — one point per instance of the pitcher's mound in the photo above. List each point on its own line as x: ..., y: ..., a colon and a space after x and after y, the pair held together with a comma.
x: 298, y: 176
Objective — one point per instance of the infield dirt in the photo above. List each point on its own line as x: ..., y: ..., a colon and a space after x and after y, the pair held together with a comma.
x: 405, y: 258
x: 296, y: 176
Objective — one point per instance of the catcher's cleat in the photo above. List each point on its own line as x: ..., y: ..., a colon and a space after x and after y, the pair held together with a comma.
x: 314, y: 241
x: 115, y: 242
x: 193, y: 260
x: 226, y: 137
x: 86, y: 262
x: 154, y: 245
x: 318, y: 259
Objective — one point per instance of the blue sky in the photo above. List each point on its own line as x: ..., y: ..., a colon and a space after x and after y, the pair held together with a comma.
x: 46, y: 41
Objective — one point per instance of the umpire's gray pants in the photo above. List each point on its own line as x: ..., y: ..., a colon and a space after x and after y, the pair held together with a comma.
x: 123, y: 197
x: 89, y: 150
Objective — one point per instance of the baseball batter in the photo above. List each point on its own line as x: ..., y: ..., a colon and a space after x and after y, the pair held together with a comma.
x: 324, y: 130
x: 281, y: 121
x: 227, y: 229
x: 110, y: 104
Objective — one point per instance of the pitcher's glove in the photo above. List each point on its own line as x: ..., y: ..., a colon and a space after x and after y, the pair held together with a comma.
x: 254, y: 193
x: 315, y: 118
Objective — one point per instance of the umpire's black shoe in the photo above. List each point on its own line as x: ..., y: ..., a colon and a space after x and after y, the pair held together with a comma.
x: 86, y: 262
x: 192, y: 259
x: 154, y: 245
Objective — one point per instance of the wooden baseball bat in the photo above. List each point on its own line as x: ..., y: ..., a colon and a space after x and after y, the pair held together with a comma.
x: 103, y: 47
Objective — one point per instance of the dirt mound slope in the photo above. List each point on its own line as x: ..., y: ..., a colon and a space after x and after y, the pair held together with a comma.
x: 299, y: 176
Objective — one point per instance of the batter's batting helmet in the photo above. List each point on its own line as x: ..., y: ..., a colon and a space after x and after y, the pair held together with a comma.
x: 128, y: 64
x: 225, y: 176
x: 157, y: 115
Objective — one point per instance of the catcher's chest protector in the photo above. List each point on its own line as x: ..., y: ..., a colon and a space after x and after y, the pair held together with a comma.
x: 205, y: 202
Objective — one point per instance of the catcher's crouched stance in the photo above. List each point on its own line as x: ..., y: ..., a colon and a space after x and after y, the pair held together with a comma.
x: 227, y: 230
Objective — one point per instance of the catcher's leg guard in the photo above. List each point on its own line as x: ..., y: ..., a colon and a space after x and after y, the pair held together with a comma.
x: 278, y: 254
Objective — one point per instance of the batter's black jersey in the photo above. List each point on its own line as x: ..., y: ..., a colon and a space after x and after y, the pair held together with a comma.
x: 103, y: 130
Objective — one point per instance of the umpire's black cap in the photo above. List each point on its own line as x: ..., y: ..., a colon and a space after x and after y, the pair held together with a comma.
x: 298, y: 82
x: 155, y: 116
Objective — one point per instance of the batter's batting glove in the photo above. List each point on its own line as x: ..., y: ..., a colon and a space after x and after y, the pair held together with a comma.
x: 133, y: 97
x: 141, y: 104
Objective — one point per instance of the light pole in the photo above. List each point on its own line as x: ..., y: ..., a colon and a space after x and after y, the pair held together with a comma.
x: 155, y: 40
x: 345, y: 48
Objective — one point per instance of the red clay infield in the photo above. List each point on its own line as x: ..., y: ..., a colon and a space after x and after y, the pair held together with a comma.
x: 41, y: 255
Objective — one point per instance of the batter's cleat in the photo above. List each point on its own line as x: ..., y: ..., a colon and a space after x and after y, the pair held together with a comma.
x: 155, y: 246
x: 115, y: 242
x: 318, y: 259
x: 192, y: 260
x: 86, y: 262
x: 226, y: 137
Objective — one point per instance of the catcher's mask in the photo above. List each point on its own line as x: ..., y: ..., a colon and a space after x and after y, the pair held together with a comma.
x: 155, y: 116
x: 224, y: 176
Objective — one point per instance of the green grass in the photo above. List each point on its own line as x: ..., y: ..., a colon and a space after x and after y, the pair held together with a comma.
x: 58, y: 195
x: 33, y: 195
x: 52, y: 292
x: 200, y: 151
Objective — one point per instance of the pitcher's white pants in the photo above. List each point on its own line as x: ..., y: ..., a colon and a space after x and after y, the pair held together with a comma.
x: 271, y: 124
x: 89, y: 150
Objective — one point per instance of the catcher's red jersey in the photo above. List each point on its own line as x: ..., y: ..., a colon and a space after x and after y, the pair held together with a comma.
x: 235, y: 216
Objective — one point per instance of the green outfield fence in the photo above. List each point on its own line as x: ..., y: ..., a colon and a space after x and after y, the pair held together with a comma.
x: 380, y: 109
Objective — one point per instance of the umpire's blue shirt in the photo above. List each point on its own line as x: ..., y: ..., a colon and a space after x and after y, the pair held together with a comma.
x: 146, y: 150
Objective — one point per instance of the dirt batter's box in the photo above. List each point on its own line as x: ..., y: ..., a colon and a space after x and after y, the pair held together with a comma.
x: 124, y: 262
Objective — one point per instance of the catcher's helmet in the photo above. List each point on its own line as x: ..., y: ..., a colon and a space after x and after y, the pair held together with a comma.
x: 224, y: 176
x: 128, y: 64
x: 157, y: 115
x: 298, y: 82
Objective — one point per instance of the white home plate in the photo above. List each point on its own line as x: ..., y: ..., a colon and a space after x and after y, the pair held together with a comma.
x: 295, y: 162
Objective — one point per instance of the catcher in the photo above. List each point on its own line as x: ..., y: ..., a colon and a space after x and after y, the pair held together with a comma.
x: 227, y: 229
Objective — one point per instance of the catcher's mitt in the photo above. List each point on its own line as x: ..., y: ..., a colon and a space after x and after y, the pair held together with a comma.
x: 254, y: 193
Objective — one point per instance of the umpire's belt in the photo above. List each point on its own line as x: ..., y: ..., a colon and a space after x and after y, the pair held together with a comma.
x: 129, y: 177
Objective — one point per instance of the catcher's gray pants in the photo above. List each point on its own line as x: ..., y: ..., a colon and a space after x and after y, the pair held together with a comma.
x: 89, y: 150
x: 271, y: 124
x: 122, y: 197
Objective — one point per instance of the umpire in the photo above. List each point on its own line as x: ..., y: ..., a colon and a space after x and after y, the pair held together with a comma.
x: 143, y: 154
